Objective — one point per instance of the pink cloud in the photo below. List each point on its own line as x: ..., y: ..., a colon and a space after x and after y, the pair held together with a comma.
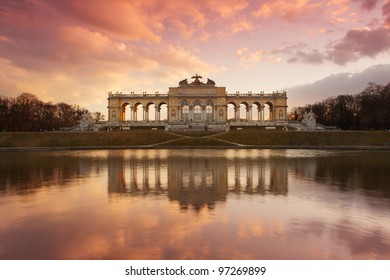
x: 360, y: 43
x: 356, y: 43
x: 367, y: 4
x: 303, y: 10
x: 386, y: 13
x: 126, y: 19
x: 241, y: 25
x: 228, y: 8
x: 311, y: 57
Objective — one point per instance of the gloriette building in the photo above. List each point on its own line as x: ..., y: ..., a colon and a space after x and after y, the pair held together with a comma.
x: 196, y: 105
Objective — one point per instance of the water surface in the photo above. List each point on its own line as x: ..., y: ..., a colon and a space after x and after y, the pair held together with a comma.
x: 195, y: 204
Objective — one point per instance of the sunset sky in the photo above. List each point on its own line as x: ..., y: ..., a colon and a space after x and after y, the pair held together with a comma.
x: 76, y: 51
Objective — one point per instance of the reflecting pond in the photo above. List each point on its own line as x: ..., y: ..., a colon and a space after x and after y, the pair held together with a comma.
x: 195, y: 204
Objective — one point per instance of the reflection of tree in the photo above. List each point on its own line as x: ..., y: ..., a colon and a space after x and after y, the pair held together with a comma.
x: 348, y: 171
x: 31, y: 170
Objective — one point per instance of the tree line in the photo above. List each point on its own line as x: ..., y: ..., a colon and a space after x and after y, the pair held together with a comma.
x: 27, y: 113
x: 369, y: 110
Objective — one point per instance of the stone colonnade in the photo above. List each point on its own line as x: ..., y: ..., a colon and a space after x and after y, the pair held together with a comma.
x: 132, y: 113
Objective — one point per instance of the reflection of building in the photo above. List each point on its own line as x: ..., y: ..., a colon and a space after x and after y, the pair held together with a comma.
x: 136, y: 174
x: 196, y: 105
x: 263, y: 176
x: 196, y: 181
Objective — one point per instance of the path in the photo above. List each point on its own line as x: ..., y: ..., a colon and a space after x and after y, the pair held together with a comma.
x: 197, y: 137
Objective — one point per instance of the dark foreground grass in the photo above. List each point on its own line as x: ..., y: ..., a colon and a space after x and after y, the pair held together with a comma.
x: 160, y: 138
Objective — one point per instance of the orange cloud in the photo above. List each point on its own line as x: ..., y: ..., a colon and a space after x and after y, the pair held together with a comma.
x: 248, y: 59
x: 298, y: 10
x: 241, y: 25
x: 126, y: 19
x: 228, y: 8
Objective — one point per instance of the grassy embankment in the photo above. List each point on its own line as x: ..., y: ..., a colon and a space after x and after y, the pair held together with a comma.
x: 320, y: 138
x: 160, y: 138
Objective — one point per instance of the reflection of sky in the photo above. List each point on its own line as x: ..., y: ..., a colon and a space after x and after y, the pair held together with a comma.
x: 82, y: 221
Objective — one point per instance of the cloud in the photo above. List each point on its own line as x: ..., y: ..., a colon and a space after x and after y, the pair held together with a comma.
x: 312, y: 57
x: 304, y: 10
x: 228, y: 8
x: 76, y: 51
x: 367, y: 5
x: 356, y: 43
x: 342, y: 83
x: 248, y: 58
x: 126, y: 19
x: 386, y: 13
x: 360, y: 43
x: 241, y: 25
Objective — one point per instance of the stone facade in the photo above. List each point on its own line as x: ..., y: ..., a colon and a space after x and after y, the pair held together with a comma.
x: 194, y: 105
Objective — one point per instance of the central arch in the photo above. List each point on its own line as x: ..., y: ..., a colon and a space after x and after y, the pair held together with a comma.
x: 197, y: 107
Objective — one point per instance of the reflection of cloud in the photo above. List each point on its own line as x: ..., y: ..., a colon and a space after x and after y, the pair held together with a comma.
x: 352, y: 242
x: 82, y: 221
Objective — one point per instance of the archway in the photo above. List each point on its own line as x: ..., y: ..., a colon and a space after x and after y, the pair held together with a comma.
x: 150, y: 113
x: 197, y: 110
x: 125, y: 112
x: 231, y: 111
x: 184, y: 110
x: 256, y: 111
x: 138, y: 112
x: 268, y: 112
x: 162, y: 112
x: 244, y: 111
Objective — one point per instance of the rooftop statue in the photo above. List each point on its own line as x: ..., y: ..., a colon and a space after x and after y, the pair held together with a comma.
x: 210, y: 82
x: 196, y: 82
x: 196, y: 77
x: 183, y: 83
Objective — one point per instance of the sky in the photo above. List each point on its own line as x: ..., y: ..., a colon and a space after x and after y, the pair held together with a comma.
x: 77, y: 51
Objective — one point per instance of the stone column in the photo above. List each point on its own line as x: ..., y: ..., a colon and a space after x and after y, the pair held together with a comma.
x: 237, y: 115
x: 191, y: 113
x: 145, y: 113
x: 130, y: 113
x: 123, y: 114
x: 135, y: 114
x: 202, y: 113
